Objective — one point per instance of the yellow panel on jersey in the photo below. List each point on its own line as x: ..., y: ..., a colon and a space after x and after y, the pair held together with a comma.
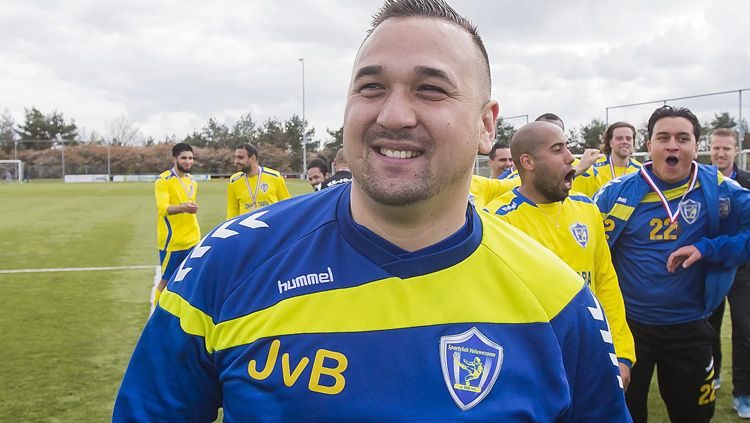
x: 483, y: 190
x: 175, y: 231
x: 245, y: 193
x: 606, y: 171
x: 573, y: 230
x: 587, y: 182
x: 528, y: 300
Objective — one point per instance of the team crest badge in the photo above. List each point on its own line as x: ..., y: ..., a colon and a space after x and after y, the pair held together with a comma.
x: 580, y: 233
x: 264, y: 187
x: 725, y: 207
x: 471, y: 364
x: 689, y: 210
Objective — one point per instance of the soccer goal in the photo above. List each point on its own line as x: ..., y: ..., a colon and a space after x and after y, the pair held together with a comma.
x: 11, y: 171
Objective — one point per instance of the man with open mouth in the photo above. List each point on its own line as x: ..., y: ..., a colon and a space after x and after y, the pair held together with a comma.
x: 677, y: 230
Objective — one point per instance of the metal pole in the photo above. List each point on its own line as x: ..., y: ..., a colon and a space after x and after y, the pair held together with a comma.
x: 109, y: 177
x: 62, y: 153
x: 304, y: 124
x: 15, y: 149
x: 606, y: 116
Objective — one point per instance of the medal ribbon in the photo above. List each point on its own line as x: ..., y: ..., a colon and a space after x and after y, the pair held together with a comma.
x: 188, y: 193
x: 253, y: 196
x: 672, y: 216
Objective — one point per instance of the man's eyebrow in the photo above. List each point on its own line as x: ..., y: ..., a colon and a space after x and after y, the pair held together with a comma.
x: 434, y: 73
x: 368, y: 70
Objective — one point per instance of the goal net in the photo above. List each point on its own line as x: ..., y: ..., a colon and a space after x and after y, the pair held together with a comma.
x: 11, y: 171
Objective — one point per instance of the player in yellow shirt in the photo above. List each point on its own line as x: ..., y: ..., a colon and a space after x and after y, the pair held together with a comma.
x: 566, y: 222
x: 254, y: 186
x: 177, y: 229
x: 619, y: 145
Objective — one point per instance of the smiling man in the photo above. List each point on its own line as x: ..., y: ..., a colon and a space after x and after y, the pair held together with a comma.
x: 390, y: 298
x: 661, y: 221
x: 254, y: 186
x: 619, y: 143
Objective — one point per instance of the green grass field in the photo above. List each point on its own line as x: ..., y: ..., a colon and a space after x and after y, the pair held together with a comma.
x: 69, y: 335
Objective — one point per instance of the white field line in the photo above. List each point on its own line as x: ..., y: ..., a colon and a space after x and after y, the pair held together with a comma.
x: 75, y: 269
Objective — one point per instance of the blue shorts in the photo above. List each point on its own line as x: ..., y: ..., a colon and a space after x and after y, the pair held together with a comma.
x: 170, y: 261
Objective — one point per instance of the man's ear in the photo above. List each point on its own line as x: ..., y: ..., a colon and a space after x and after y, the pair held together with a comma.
x: 487, y: 133
x: 527, y: 162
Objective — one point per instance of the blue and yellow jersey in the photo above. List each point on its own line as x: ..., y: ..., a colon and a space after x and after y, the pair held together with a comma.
x: 484, y: 190
x: 653, y: 295
x: 246, y: 194
x: 573, y: 230
x: 586, y: 183
x: 297, y: 313
x: 606, y: 172
x: 175, y: 232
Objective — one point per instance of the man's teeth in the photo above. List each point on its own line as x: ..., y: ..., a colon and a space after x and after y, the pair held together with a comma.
x: 398, y: 154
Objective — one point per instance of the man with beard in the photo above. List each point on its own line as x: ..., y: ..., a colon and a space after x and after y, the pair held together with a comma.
x: 568, y: 223
x: 317, y: 173
x: 254, y: 186
x: 424, y: 283
x: 618, y: 141
x: 177, y: 228
x: 677, y: 230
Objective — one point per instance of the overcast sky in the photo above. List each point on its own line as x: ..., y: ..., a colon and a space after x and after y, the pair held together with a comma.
x: 170, y: 65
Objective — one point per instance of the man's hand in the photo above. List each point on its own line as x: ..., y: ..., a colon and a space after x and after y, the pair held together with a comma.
x: 684, y: 256
x: 625, y: 375
x: 191, y: 208
x: 589, y: 157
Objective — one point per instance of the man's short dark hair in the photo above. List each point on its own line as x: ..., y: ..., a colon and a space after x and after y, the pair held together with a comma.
x: 181, y: 148
x: 552, y: 118
x: 610, y: 132
x: 251, y: 150
x: 669, y: 111
x: 430, y: 9
x: 320, y: 164
x: 496, y: 147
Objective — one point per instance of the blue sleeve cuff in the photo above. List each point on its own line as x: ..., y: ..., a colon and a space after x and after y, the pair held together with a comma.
x: 625, y: 361
x: 706, y: 249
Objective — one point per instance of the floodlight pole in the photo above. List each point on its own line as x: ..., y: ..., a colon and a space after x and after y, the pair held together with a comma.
x: 304, y: 123
x: 58, y: 136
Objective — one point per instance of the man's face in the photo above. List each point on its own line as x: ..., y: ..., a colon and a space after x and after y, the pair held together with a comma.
x: 244, y: 162
x: 184, y: 161
x: 622, y: 142
x: 315, y: 176
x: 672, y: 148
x: 502, y: 161
x: 553, y: 166
x: 723, y: 151
x: 416, y: 113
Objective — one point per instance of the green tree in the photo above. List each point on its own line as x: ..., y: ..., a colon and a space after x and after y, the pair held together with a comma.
x: 592, y: 132
x: 38, y: 126
x: 244, y: 131
x: 504, y: 132
x: 7, y: 132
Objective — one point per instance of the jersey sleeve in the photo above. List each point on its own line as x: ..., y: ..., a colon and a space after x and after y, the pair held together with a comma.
x: 587, y: 183
x: 161, y: 190
x: 233, y: 208
x: 282, y: 192
x: 590, y: 362
x: 608, y: 292
x: 733, y: 248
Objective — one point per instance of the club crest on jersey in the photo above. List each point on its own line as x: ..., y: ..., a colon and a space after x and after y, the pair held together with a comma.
x: 580, y: 233
x: 264, y: 187
x: 725, y: 207
x: 689, y: 210
x: 471, y: 364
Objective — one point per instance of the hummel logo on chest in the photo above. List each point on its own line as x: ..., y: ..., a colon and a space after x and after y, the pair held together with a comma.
x: 305, y: 280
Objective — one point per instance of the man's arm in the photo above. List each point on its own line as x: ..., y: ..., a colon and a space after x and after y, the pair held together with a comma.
x: 233, y: 207
x: 588, y: 158
x: 590, y: 363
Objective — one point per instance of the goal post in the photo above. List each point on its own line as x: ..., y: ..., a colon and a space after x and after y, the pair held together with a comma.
x: 11, y: 171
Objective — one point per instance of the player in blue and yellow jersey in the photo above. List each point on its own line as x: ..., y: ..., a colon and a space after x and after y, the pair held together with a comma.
x: 390, y: 298
x: 254, y: 186
x: 674, y: 209
x: 177, y: 229
x: 500, y: 161
x: 566, y: 222
x: 618, y: 139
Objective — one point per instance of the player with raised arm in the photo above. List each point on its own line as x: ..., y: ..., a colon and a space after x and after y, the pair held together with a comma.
x: 177, y: 229
x: 269, y: 320
x: 618, y: 139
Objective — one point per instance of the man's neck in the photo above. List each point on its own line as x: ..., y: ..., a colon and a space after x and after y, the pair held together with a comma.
x: 178, y: 172
x: 528, y: 191
x: 619, y: 161
x: 410, y: 227
x: 495, y: 173
x: 728, y: 171
x: 252, y: 171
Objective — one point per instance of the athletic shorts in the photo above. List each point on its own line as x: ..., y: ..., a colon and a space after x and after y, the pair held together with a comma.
x: 170, y: 261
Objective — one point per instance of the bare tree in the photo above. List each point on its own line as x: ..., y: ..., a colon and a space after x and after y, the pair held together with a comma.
x: 123, y: 131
